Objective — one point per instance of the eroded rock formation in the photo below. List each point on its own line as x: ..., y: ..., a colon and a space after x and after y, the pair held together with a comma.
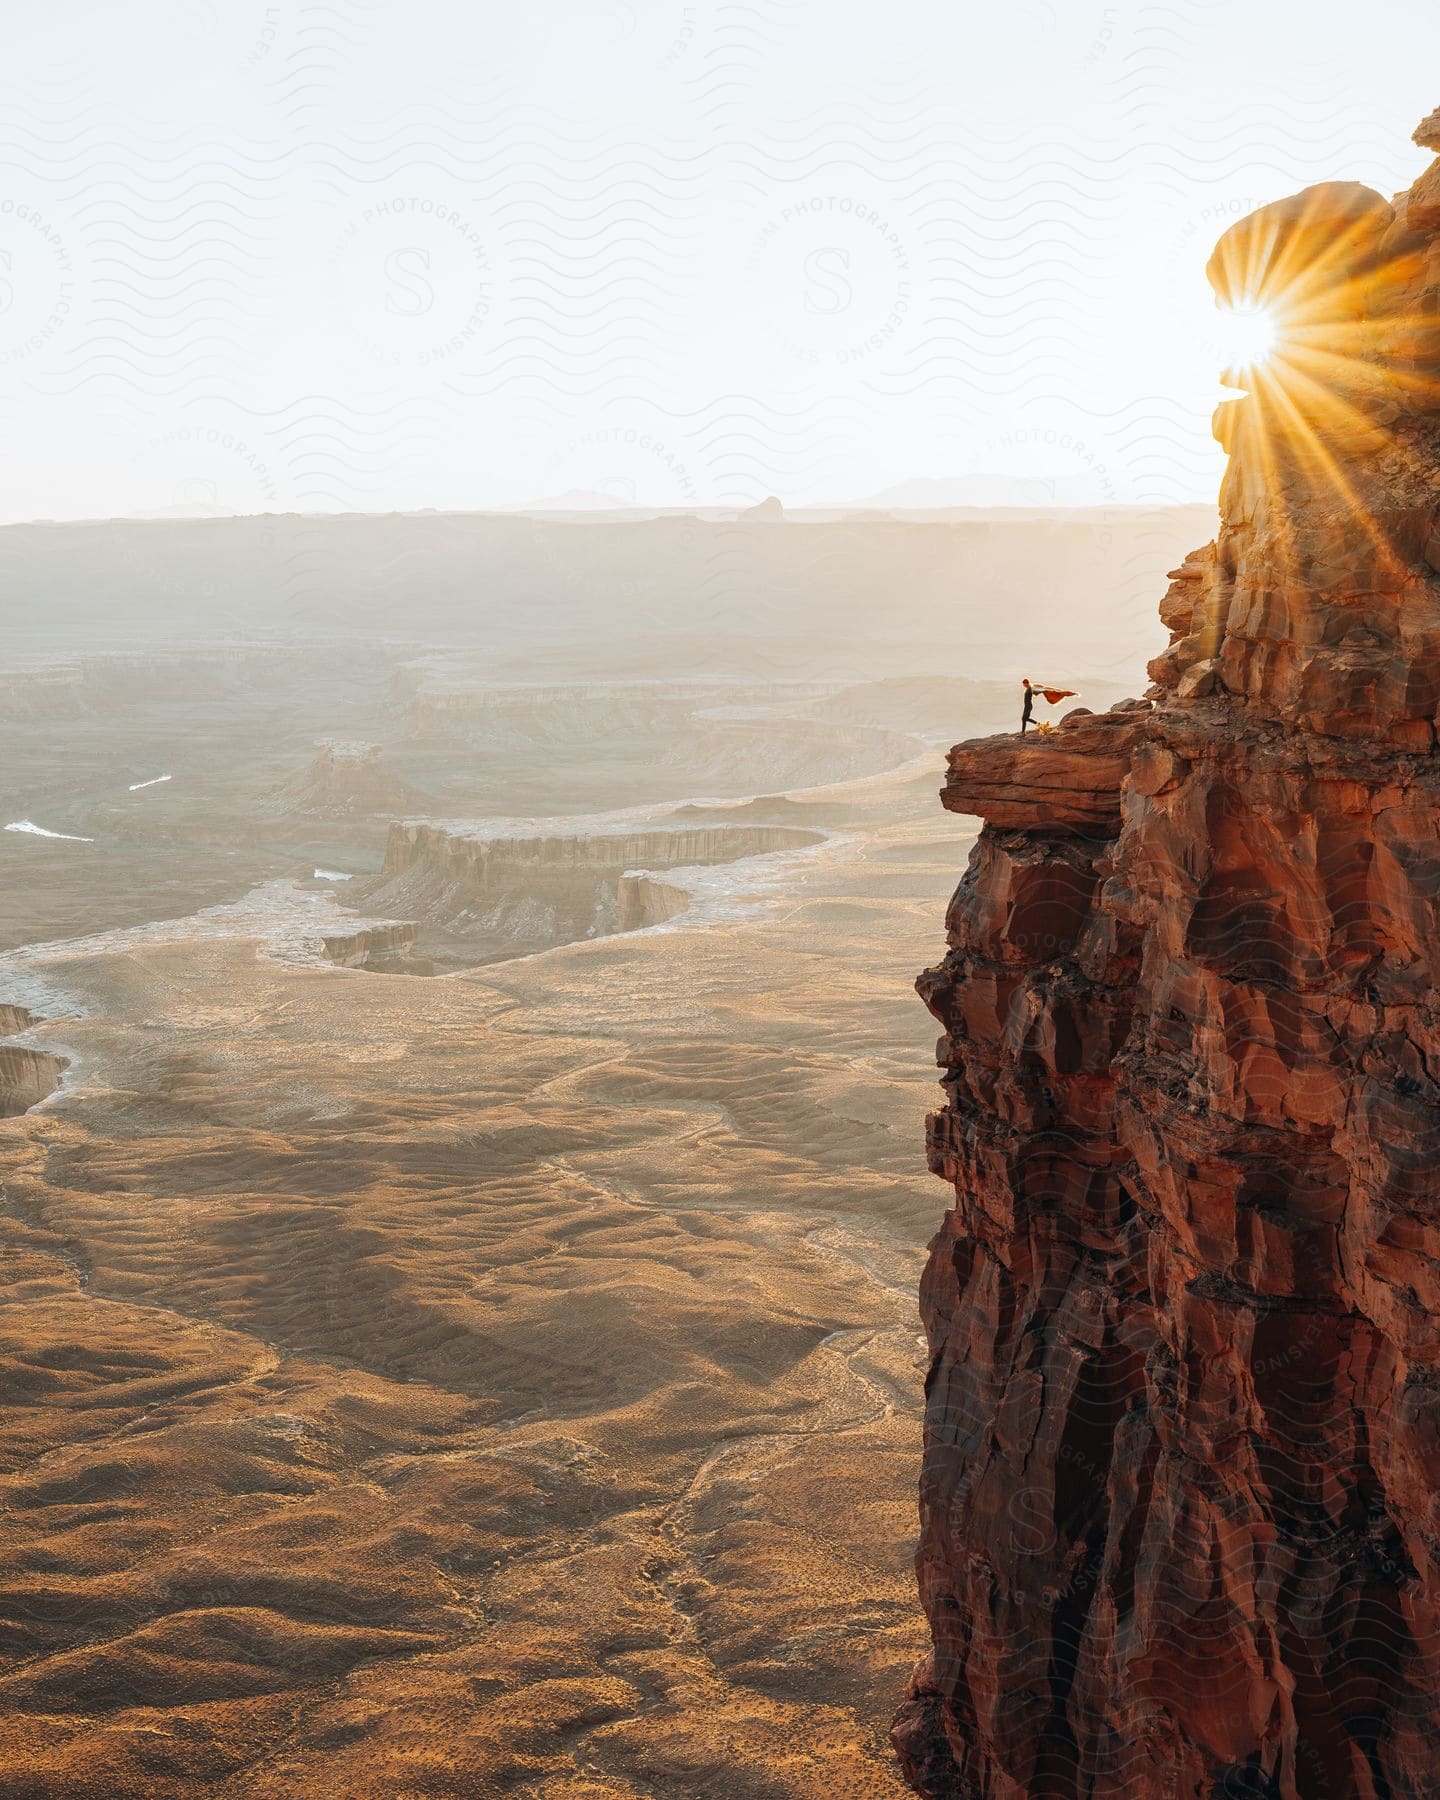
x: 508, y: 891
x: 1180, y: 1526
x: 364, y: 944
x: 1072, y: 779
x: 347, y: 777
x: 27, y: 1075
x: 643, y: 901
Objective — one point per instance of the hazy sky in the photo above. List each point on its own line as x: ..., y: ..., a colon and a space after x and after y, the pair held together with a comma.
x: 260, y: 257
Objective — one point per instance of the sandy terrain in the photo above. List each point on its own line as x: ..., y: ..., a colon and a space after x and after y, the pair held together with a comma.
x: 509, y: 1382
x: 505, y: 1382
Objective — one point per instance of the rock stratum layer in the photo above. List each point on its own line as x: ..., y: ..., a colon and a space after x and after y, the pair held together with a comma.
x: 1179, y: 1523
x: 512, y: 891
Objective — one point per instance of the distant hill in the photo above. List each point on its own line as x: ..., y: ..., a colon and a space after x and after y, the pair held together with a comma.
x: 566, y: 598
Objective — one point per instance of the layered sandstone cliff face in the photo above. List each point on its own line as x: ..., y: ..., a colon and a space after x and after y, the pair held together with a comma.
x: 511, y: 891
x: 1181, y: 1493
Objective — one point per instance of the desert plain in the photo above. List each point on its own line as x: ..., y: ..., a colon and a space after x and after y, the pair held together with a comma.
x: 462, y: 1183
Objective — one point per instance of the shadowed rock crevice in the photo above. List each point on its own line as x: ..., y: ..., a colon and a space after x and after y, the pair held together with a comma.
x: 1183, y: 1417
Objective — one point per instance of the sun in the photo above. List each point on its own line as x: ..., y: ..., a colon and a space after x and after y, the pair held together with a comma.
x: 1248, y: 335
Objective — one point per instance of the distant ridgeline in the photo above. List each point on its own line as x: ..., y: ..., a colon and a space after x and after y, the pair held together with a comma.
x: 844, y: 597
x: 1178, y: 1508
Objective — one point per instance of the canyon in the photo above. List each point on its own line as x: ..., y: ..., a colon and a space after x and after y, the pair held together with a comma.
x: 459, y: 1331
x: 493, y: 890
x: 1179, y: 1526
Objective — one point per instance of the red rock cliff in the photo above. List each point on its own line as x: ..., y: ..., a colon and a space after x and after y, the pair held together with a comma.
x: 1179, y: 1515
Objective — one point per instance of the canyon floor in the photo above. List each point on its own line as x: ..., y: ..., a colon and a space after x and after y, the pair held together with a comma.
x: 505, y: 1382
x: 500, y: 1383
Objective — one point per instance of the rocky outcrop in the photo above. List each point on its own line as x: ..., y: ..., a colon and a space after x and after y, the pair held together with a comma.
x: 1180, y: 1505
x: 345, y: 780
x: 27, y: 1075
x: 1070, y: 777
x: 481, y: 859
x: 497, y: 891
x: 357, y: 949
x: 769, y: 509
x: 643, y: 901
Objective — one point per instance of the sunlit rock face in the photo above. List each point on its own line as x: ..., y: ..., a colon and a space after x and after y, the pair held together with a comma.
x: 1179, y: 1517
x: 1072, y: 777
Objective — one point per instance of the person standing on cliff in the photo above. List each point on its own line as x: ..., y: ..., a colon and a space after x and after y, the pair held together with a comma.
x: 1052, y: 695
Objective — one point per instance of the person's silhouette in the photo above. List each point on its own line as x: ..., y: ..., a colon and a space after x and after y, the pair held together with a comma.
x: 1052, y: 695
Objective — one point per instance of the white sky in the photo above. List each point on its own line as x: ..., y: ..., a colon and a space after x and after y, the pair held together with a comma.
x: 353, y: 254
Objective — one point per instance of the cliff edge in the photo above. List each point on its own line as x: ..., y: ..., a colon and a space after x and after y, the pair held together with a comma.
x: 1180, y: 1505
